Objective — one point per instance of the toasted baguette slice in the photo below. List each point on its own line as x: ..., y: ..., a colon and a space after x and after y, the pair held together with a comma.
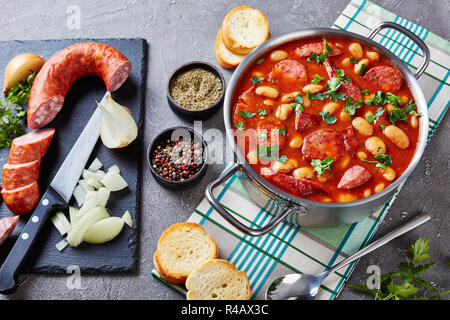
x: 243, y: 29
x: 225, y: 57
x: 181, y: 248
x: 217, y: 280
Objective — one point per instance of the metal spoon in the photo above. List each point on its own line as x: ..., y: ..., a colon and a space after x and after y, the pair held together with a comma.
x: 305, y: 286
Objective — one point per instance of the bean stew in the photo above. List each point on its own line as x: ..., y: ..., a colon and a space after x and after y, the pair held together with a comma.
x: 326, y: 119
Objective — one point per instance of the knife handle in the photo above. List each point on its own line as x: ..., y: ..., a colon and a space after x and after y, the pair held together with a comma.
x: 49, y: 202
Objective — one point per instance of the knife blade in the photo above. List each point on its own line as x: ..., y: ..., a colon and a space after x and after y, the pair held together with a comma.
x: 55, y: 197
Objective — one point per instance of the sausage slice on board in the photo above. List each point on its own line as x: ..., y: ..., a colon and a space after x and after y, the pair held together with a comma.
x: 7, y: 226
x: 60, y: 71
x: 19, y: 175
x: 22, y: 200
x: 31, y: 146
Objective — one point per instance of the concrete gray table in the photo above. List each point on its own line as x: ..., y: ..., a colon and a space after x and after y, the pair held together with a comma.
x: 181, y: 30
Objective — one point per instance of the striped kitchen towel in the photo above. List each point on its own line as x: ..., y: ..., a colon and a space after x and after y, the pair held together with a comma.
x: 289, y: 248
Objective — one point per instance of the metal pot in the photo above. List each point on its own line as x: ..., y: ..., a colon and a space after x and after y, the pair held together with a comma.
x: 295, y: 209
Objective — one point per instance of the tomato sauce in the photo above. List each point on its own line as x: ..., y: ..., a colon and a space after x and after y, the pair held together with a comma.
x: 257, y: 108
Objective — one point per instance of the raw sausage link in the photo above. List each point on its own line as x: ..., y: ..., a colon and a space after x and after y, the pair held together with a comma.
x: 22, y: 200
x: 316, y: 47
x: 7, y: 226
x: 289, y: 75
x: 19, y: 175
x: 302, y: 187
x: 31, y: 146
x: 350, y: 141
x: 60, y: 71
x: 387, y: 78
x: 323, y: 143
x: 305, y: 121
x: 354, y: 177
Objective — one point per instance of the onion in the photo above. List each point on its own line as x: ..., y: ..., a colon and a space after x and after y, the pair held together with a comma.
x: 61, y: 223
x: 117, y: 127
x: 95, y: 165
x: 128, y: 219
x: 75, y: 236
x: 19, y: 68
x: 104, y: 230
x: 114, y: 181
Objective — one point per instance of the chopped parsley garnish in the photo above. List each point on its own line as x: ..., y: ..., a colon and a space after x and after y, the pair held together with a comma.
x: 246, y: 114
x: 262, y: 112
x: 328, y: 117
x: 316, y: 79
x: 393, y: 99
x: 268, y: 152
x: 318, y: 96
x: 351, y: 107
x: 332, y: 86
x: 380, y: 98
x: 319, y: 59
x: 240, y: 125
x: 382, y: 160
x: 362, y: 70
x: 260, y: 61
x: 371, y: 117
x: 354, y: 60
x: 326, y: 46
x: 382, y: 126
x: 411, y: 108
x: 298, y: 106
x: 365, y: 92
x: 320, y: 166
x: 283, y: 159
x: 255, y: 79
x: 397, y: 115
x: 282, y: 131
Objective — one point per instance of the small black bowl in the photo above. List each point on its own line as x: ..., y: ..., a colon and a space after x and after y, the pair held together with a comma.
x: 177, y: 185
x: 196, y: 114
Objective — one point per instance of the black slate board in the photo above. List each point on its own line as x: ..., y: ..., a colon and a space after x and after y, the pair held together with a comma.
x: 119, y: 255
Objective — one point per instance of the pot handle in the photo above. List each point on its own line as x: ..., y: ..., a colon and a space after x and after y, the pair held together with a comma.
x: 419, y: 42
x: 232, y: 220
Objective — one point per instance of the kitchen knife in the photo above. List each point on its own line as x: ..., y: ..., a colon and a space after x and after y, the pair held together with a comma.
x: 55, y: 197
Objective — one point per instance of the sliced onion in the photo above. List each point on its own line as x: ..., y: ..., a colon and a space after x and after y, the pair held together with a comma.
x: 114, y: 181
x: 94, y: 184
x: 128, y: 219
x: 61, y: 223
x: 115, y: 168
x: 79, y: 194
x: 117, y: 127
x: 95, y: 165
x: 61, y: 245
x: 75, y: 236
x: 73, y: 215
x: 104, y: 230
x: 103, y: 196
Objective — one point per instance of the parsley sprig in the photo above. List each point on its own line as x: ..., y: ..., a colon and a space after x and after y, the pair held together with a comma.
x: 12, y: 113
x: 407, y: 281
x: 320, y: 166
